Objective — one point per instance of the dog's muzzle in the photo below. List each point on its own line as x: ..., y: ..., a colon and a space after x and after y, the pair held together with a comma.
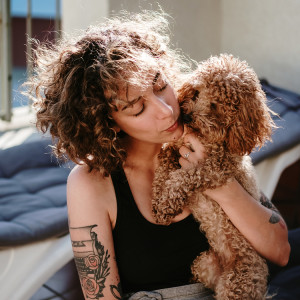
x: 187, y: 118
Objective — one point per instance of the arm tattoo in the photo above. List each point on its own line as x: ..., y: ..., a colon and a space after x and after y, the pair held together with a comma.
x: 116, y: 291
x: 275, y: 217
x: 91, y: 261
x: 267, y: 203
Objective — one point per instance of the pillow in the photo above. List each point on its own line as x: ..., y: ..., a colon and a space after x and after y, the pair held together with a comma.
x: 32, y: 194
x: 287, y: 105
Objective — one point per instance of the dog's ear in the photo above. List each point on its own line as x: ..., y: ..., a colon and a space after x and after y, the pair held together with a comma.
x: 251, y: 125
x: 227, y: 104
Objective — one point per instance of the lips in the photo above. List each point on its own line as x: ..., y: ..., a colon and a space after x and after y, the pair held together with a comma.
x: 173, y: 127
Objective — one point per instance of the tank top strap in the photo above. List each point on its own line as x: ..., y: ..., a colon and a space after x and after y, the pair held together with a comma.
x: 120, y: 183
x: 125, y: 202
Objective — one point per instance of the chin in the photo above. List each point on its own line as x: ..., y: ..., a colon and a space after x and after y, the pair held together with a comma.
x: 177, y: 134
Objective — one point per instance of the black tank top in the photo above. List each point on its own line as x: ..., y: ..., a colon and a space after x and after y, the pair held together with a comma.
x: 151, y: 256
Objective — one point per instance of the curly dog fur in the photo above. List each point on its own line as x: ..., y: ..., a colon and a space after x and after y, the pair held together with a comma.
x: 222, y: 103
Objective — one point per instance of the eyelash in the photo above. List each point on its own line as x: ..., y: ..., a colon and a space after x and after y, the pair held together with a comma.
x: 164, y: 87
x: 143, y: 107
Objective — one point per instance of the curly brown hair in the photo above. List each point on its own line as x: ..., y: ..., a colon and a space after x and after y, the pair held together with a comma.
x: 76, y: 83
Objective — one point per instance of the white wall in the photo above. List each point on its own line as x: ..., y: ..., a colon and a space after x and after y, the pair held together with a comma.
x: 79, y: 14
x: 264, y: 32
x: 195, y: 26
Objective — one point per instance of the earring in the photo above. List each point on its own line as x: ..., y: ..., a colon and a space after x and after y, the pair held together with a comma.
x: 116, y: 129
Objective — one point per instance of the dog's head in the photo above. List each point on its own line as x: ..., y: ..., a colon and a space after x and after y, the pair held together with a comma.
x: 223, y: 103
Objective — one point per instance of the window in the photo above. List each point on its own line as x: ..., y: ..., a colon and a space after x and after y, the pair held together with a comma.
x: 21, y: 19
x: 5, y: 60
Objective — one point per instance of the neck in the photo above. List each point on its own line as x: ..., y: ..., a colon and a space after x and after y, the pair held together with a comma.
x: 141, y: 155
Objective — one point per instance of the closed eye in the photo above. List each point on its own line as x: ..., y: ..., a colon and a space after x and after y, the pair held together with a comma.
x: 162, y: 88
x: 143, y: 108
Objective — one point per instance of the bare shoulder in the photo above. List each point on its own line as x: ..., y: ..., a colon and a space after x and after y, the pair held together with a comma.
x: 80, y: 177
x: 89, y: 196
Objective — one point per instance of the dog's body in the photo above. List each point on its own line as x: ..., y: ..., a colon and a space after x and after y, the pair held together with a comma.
x: 223, y: 104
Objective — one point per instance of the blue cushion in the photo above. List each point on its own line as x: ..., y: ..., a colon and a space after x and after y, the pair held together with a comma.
x: 287, y: 105
x: 32, y: 194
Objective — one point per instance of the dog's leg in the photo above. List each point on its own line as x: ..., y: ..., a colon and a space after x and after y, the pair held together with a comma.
x: 215, y: 223
x: 169, y: 195
x: 163, y: 208
x: 206, y: 268
x: 245, y: 279
x: 243, y: 272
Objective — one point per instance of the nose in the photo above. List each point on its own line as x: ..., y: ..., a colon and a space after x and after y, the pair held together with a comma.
x: 162, y: 108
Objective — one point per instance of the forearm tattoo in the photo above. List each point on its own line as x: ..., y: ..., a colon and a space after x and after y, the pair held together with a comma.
x: 116, y: 291
x: 92, y: 262
x: 275, y: 217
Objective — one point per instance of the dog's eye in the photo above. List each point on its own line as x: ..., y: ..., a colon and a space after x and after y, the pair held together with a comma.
x: 195, y: 96
x: 213, y: 106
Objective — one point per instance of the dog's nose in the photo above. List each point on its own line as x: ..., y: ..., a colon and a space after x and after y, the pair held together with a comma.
x: 187, y: 118
x: 196, y: 94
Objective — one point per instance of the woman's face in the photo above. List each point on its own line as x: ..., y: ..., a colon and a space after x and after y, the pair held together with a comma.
x: 151, y: 115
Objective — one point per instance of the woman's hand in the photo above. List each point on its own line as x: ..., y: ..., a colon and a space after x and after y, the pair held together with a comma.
x: 192, y: 152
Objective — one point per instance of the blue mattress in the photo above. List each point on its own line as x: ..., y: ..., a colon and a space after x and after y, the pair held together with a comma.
x: 287, y: 105
x: 32, y: 194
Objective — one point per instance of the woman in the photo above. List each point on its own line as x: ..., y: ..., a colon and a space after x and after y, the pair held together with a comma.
x: 108, y: 98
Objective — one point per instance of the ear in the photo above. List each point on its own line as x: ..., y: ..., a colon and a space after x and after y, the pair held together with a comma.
x: 116, y: 128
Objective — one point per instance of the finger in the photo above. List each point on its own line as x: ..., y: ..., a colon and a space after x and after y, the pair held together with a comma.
x: 185, y: 164
x: 188, y: 159
x: 192, y: 141
x: 185, y: 152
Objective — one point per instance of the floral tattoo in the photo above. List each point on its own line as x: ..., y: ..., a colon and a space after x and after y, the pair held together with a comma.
x: 91, y: 261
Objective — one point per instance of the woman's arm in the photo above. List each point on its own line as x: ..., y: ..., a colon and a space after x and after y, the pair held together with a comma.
x: 89, y: 203
x: 261, y: 225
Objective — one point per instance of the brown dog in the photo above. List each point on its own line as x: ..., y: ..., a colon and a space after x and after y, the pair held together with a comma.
x: 222, y: 103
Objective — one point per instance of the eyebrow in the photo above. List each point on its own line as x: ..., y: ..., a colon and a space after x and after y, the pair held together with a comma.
x: 155, y: 78
x: 132, y: 102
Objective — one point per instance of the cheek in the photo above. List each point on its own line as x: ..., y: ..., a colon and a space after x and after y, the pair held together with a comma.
x: 133, y: 127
